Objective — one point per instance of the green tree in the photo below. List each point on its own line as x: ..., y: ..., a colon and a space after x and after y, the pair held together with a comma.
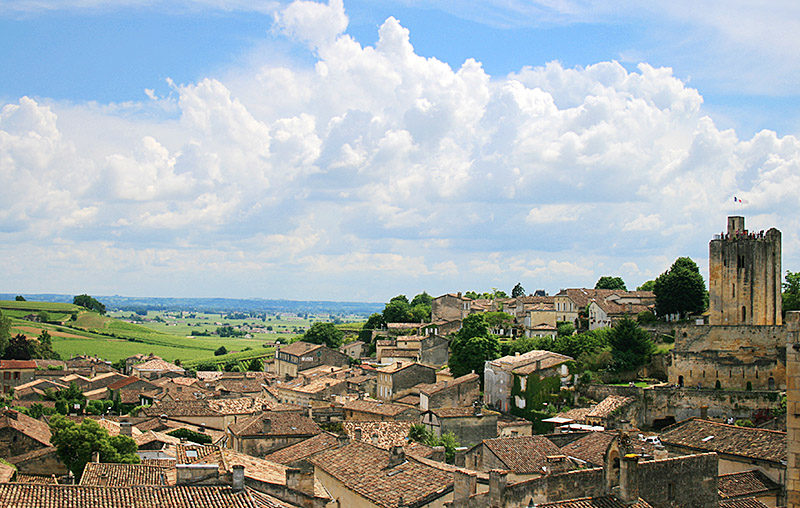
x: 19, y: 348
x: 422, y: 299
x: 565, y: 328
x: 791, y: 291
x: 20, y: 298
x: 324, y: 333
x: 499, y: 320
x: 631, y: 346
x: 472, y: 346
x: 255, y: 365
x: 680, y: 290
x: 75, y: 444
x: 608, y: 282
x: 5, y: 332
x: 44, y: 348
x: 222, y: 350
x: 374, y: 322
x: 518, y: 291
x: 87, y: 302
x: 398, y: 310
x: 647, y: 286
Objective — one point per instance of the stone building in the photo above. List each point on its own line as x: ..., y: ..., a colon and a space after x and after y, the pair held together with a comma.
x: 460, y: 392
x: 270, y: 431
x: 745, y: 276
x: 499, y: 374
x: 468, y: 424
x: 792, y: 413
x: 16, y: 372
x: 398, y: 379
x: 300, y: 356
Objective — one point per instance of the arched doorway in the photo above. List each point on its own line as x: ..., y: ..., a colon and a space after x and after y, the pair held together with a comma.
x: 680, y: 381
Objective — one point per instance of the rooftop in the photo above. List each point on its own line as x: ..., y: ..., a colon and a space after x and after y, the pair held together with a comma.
x: 745, y: 483
x: 122, y: 475
x: 705, y: 435
x: 276, y: 423
x: 303, y: 449
x: 523, y: 454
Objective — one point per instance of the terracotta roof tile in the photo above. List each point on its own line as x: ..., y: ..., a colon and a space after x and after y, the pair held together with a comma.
x: 21, y: 495
x: 122, y: 475
x: 381, y: 434
x: 523, y: 454
x: 43, y: 479
x: 303, y: 449
x: 749, y: 502
x: 281, y: 423
x: 31, y: 427
x: 6, y: 472
x: 17, y: 364
x: 745, y: 483
x: 433, y: 388
x: 608, y: 405
x: 595, y: 502
x: 363, y: 469
x: 299, y: 348
x: 752, y: 443
x: 157, y: 364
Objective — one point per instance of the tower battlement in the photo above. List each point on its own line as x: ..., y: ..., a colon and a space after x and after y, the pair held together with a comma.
x: 745, y: 276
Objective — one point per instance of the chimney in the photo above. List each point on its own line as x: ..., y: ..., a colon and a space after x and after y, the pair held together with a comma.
x: 396, y: 456
x: 266, y: 425
x: 629, y: 479
x: 301, y: 479
x: 126, y: 429
x: 704, y: 412
x: 660, y: 453
x: 538, y: 365
x: 459, y: 294
x: 238, y: 478
x: 357, y: 434
x: 461, y: 456
x: 310, y: 413
x: 438, y: 454
x: 516, y: 353
x: 464, y: 485
x: 342, y: 440
x: 95, y: 456
x: 202, y: 428
x: 497, y: 486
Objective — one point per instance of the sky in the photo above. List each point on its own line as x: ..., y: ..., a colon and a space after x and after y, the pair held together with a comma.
x: 358, y: 150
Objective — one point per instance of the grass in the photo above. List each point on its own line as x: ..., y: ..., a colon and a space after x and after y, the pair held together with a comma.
x: 38, y: 306
x: 239, y: 356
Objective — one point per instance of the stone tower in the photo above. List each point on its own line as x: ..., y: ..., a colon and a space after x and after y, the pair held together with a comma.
x: 792, y: 410
x: 745, y: 276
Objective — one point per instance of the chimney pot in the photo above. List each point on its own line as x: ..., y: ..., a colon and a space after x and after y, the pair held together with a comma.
x: 396, y: 456
x: 238, y: 478
x: 629, y: 479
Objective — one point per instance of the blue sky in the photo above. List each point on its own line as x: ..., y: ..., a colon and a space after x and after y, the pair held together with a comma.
x: 359, y: 150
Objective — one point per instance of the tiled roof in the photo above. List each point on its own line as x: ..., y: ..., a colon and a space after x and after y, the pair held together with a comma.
x: 749, y: 502
x: 410, y: 400
x: 398, y: 366
x: 398, y: 352
x: 281, y: 423
x: 157, y: 364
x: 208, y: 407
x: 608, y: 405
x: 303, y: 449
x: 152, y: 436
x: 595, y: 502
x: 40, y: 383
x: 578, y: 414
x: 114, y: 428
x: 547, y: 359
x: 752, y: 443
x: 122, y: 383
x: 17, y: 364
x: 312, y: 387
x: 431, y: 389
x: 44, y: 479
x: 122, y: 475
x: 363, y: 469
x: 523, y: 454
x: 745, y: 483
x: 22, y: 495
x: 381, y: 434
x: 267, y: 501
x: 299, y: 348
x: 240, y: 385
x: 31, y: 427
x: 375, y: 407
x: 592, y: 447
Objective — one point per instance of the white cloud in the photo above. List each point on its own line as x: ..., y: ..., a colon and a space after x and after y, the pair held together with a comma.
x: 378, y: 164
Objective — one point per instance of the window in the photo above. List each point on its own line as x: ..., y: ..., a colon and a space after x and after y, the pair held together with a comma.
x: 16, y: 375
x: 6, y: 375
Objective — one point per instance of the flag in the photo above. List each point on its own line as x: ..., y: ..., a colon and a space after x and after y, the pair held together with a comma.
x: 739, y: 200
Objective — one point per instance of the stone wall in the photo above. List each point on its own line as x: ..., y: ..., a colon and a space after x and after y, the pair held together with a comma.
x: 656, y: 403
x: 472, y: 429
x: 793, y: 411
x: 732, y: 355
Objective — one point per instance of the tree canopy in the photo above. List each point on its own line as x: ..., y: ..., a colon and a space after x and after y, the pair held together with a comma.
x: 400, y: 310
x: 631, y: 346
x: 680, y: 290
x: 87, y: 302
x: 647, y: 286
x: 496, y: 293
x: 472, y: 346
x: 518, y: 291
x: 791, y: 291
x: 75, y: 444
x: 609, y: 282
x: 324, y: 333
x: 19, y: 298
x: 374, y: 322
